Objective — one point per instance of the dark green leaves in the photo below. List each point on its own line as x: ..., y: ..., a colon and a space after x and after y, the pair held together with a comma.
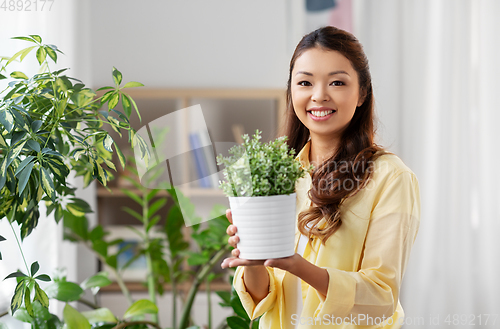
x: 17, y: 299
x: 64, y: 291
x: 117, y: 77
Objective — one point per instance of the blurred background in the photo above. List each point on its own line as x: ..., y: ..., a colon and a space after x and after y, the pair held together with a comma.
x: 435, y: 72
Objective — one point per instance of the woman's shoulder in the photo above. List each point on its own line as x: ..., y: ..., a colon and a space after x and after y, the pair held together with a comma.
x: 388, y: 165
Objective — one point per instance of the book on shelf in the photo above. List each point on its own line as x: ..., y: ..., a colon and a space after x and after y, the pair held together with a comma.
x: 204, y: 159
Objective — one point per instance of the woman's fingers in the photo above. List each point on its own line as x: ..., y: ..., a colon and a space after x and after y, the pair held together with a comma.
x: 231, y: 230
x: 233, y: 241
x: 229, y: 215
x: 234, y: 262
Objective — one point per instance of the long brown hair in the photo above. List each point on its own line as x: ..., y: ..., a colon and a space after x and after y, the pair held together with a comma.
x: 352, y: 163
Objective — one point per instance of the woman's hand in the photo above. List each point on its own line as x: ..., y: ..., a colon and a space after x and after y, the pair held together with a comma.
x: 290, y: 264
x: 233, y: 241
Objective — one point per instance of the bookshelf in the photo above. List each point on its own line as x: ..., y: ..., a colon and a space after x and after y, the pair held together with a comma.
x: 226, y: 112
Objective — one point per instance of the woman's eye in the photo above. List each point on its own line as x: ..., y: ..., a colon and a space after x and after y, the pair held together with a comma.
x: 304, y: 83
x: 337, y: 83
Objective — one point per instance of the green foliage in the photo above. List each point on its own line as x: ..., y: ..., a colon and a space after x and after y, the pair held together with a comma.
x: 260, y: 169
x: 51, y: 124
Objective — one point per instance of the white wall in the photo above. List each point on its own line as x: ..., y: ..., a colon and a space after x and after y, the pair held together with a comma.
x: 209, y: 44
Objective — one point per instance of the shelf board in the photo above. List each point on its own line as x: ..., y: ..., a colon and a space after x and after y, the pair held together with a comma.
x: 191, y: 192
x: 185, y: 286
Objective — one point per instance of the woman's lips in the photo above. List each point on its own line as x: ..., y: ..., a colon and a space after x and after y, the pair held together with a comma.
x: 314, y: 113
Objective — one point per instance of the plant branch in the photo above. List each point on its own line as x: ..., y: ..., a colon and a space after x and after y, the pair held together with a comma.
x: 133, y: 323
x: 20, y: 249
x: 200, y: 277
x: 4, y: 313
x: 88, y: 303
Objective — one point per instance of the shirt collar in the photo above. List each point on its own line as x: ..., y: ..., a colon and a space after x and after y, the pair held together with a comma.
x: 303, y: 156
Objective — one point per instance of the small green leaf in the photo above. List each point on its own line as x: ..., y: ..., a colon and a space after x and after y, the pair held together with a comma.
x: 127, y: 107
x: 22, y: 315
x: 98, y: 280
x: 117, y: 76
x: 133, y: 84
x: 17, y: 274
x: 40, y: 295
x: 2, y: 77
x: 105, y: 88
x: 113, y: 101
x: 64, y: 291
x: 35, y: 125
x: 36, y: 37
x: 107, y: 142
x: 43, y: 277
x: 52, y: 54
x: 140, y: 307
x: 100, y: 315
x: 24, y: 177
x: 19, y: 75
x: 235, y: 322
x: 34, y: 268
x: 47, y: 184
x: 23, y: 164
x: 33, y: 145
x: 238, y: 308
x: 41, y: 54
x: 135, y: 107
x: 17, y: 299
x: 27, y: 302
x: 7, y: 120
x: 26, y: 51
x: 121, y: 157
x: 74, y: 319
x: 24, y: 38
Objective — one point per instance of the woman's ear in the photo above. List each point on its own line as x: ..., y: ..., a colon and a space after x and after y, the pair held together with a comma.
x: 362, y: 96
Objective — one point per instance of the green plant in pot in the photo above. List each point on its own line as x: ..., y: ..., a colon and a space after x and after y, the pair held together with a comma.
x: 51, y: 125
x: 259, y: 180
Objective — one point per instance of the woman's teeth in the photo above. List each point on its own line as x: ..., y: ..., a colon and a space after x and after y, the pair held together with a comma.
x: 320, y: 113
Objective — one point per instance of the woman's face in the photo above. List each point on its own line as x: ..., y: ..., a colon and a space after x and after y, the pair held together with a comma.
x: 325, y: 92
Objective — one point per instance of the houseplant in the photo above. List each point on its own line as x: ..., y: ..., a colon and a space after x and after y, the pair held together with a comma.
x: 259, y: 179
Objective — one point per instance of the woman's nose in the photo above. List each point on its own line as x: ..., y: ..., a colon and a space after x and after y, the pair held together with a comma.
x: 320, y: 95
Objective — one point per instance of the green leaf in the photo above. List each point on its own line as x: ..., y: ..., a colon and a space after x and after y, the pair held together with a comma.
x: 19, y: 75
x: 51, y: 53
x: 7, y: 120
x: 35, y: 125
x: 47, y: 184
x: 100, y: 315
x: 43, y: 277
x: 17, y: 274
x: 40, y: 295
x: 27, y: 302
x: 157, y: 205
x: 135, y: 107
x: 22, y: 315
x: 34, y: 268
x: 2, y: 77
x: 33, y: 145
x: 225, y: 296
x: 121, y: 157
x: 98, y: 280
x: 64, y: 291
x: 127, y: 107
x: 74, y: 319
x: 36, y: 37
x: 238, y: 307
x: 23, y: 164
x: 24, y: 177
x: 133, y: 196
x: 117, y: 76
x: 105, y: 88
x: 141, y: 307
x: 17, y: 299
x: 41, y: 54
x: 132, y: 84
x: 107, y: 143
x: 235, y: 322
x: 113, y: 101
x: 24, y: 38
x: 26, y: 51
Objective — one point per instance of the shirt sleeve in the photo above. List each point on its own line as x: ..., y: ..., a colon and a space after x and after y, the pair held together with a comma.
x: 267, y: 303
x: 374, y: 289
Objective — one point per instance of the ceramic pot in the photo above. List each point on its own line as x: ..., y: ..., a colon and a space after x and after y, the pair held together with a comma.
x: 266, y: 225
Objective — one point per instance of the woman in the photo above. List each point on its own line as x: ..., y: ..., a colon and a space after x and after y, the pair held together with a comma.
x: 358, y: 213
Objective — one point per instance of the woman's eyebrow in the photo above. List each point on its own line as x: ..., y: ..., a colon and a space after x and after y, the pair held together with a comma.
x: 329, y: 74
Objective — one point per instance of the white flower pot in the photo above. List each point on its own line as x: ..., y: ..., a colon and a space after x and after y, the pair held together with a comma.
x: 266, y: 225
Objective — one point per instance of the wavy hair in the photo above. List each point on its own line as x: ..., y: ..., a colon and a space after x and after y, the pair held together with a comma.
x: 349, y: 169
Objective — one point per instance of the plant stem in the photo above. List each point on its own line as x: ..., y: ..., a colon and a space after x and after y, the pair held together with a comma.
x: 149, y: 262
x: 209, y: 301
x: 133, y: 323
x: 20, y: 249
x: 4, y: 313
x: 174, y: 293
x: 88, y: 303
x: 202, y: 274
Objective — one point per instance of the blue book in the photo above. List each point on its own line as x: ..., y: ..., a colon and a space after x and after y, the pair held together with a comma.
x: 199, y: 159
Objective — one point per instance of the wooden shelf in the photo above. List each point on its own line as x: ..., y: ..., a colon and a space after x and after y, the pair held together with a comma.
x: 117, y: 192
x: 140, y: 287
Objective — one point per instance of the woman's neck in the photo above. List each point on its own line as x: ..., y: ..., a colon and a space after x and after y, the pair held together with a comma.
x: 321, y: 149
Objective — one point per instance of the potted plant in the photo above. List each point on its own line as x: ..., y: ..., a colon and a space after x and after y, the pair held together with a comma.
x: 259, y: 180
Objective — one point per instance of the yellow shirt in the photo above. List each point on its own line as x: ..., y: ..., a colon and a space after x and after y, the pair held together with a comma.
x: 365, y: 258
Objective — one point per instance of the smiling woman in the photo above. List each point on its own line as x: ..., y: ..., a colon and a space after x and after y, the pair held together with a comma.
x: 357, y: 214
